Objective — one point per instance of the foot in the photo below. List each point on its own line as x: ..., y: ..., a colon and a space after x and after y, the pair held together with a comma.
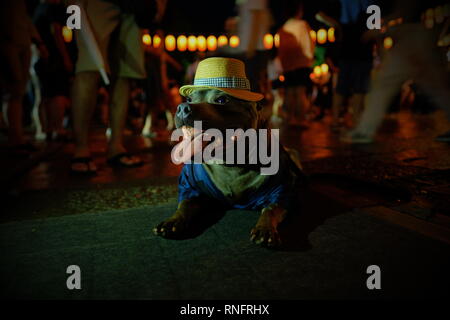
x: 265, y: 233
x: 355, y: 137
x: 443, y: 137
x: 84, y: 165
x: 124, y: 160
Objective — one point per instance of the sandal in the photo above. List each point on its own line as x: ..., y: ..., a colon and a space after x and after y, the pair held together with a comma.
x: 87, y: 162
x: 124, y: 160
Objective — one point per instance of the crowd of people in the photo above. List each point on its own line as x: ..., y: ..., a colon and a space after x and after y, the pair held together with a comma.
x: 60, y: 80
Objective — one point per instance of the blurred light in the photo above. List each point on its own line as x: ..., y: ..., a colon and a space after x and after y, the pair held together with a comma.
x: 67, y: 34
x: 192, y: 43
x: 268, y: 41
x: 331, y: 35
x: 313, y: 35
x: 170, y: 43
x: 276, y: 40
x: 281, y: 78
x: 321, y: 36
x: 429, y: 14
x: 156, y: 41
x: 439, y: 14
x: 234, y: 41
x: 429, y: 23
x: 182, y: 43
x: 446, y: 10
x: 324, y: 68
x: 212, y: 43
x: 201, y: 43
x: 222, y: 41
x: 388, y: 43
x: 317, y: 71
x: 146, y: 39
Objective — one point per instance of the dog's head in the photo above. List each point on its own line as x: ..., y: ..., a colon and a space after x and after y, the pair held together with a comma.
x: 219, y: 110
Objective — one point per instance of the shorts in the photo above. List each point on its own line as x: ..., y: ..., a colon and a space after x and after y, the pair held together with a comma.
x: 118, y: 38
x: 354, y: 77
x: 297, y: 77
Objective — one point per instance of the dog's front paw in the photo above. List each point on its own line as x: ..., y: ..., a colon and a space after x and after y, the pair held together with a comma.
x: 265, y: 236
x: 170, y: 228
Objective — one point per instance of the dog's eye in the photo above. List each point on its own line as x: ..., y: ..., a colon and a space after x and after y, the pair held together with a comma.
x: 189, y: 99
x: 221, y: 100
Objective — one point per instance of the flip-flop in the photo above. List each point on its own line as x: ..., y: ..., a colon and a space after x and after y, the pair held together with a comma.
x: 85, y: 161
x: 117, y: 161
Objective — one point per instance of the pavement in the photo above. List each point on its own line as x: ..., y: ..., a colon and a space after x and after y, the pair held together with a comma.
x: 383, y: 204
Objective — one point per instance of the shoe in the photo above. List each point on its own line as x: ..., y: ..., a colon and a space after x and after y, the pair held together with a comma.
x: 355, y: 137
x: 443, y: 137
x: 125, y: 160
x: 83, y: 165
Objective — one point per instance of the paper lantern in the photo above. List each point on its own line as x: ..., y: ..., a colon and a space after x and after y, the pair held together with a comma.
x: 146, y: 39
x: 268, y: 41
x: 222, y: 41
x: 317, y: 71
x: 234, y: 41
x: 211, y: 42
x: 388, y: 43
x: 201, y: 43
x: 313, y: 35
x: 281, y: 78
x: 182, y: 43
x: 324, y: 68
x: 321, y: 36
x: 192, y: 43
x: 276, y: 40
x: 331, y: 35
x: 170, y: 43
x: 67, y: 34
x: 156, y: 41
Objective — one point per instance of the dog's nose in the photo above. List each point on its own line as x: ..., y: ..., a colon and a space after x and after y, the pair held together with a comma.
x: 184, y: 110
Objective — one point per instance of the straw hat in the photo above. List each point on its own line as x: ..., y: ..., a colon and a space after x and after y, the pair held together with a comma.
x: 224, y: 74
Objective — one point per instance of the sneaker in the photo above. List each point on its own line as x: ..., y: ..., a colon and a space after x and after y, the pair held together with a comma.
x: 355, y: 137
x: 443, y: 137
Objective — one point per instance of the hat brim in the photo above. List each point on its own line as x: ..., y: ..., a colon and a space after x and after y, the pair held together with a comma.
x: 237, y: 93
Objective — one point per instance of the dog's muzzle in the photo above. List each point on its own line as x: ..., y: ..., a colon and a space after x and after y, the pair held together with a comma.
x: 184, y: 110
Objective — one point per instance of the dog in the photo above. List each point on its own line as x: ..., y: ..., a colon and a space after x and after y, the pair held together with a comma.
x: 203, y: 186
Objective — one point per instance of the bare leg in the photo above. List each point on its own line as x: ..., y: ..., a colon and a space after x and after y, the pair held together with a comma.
x: 83, y: 98
x: 118, y: 112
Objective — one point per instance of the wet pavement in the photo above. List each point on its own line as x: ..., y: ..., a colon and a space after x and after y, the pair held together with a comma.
x: 387, y: 202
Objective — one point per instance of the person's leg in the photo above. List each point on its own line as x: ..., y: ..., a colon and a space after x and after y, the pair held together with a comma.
x: 84, y: 94
x: 118, y: 111
x: 357, y: 103
x: 303, y: 103
x: 338, y: 102
x: 57, y: 108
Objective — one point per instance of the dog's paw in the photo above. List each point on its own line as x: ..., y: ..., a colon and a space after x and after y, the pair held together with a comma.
x: 170, y: 228
x: 266, y: 237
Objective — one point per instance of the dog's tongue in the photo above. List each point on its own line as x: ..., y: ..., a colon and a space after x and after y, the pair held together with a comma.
x: 191, y: 145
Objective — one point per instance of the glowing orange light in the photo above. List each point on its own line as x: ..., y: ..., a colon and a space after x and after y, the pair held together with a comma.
x: 276, y: 40
x: 234, y: 41
x: 331, y: 36
x: 170, y: 43
x: 317, y: 71
x: 268, y: 41
x: 322, y: 36
x: 281, y: 78
x: 201, y: 43
x: 388, y: 43
x: 67, y: 34
x: 222, y: 41
x: 156, y: 41
x: 146, y: 39
x: 313, y: 35
x: 212, y: 43
x: 182, y: 43
x: 192, y: 43
x: 324, y: 68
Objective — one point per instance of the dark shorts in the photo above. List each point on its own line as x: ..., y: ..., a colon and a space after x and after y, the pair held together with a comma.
x: 354, y: 77
x: 297, y: 77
